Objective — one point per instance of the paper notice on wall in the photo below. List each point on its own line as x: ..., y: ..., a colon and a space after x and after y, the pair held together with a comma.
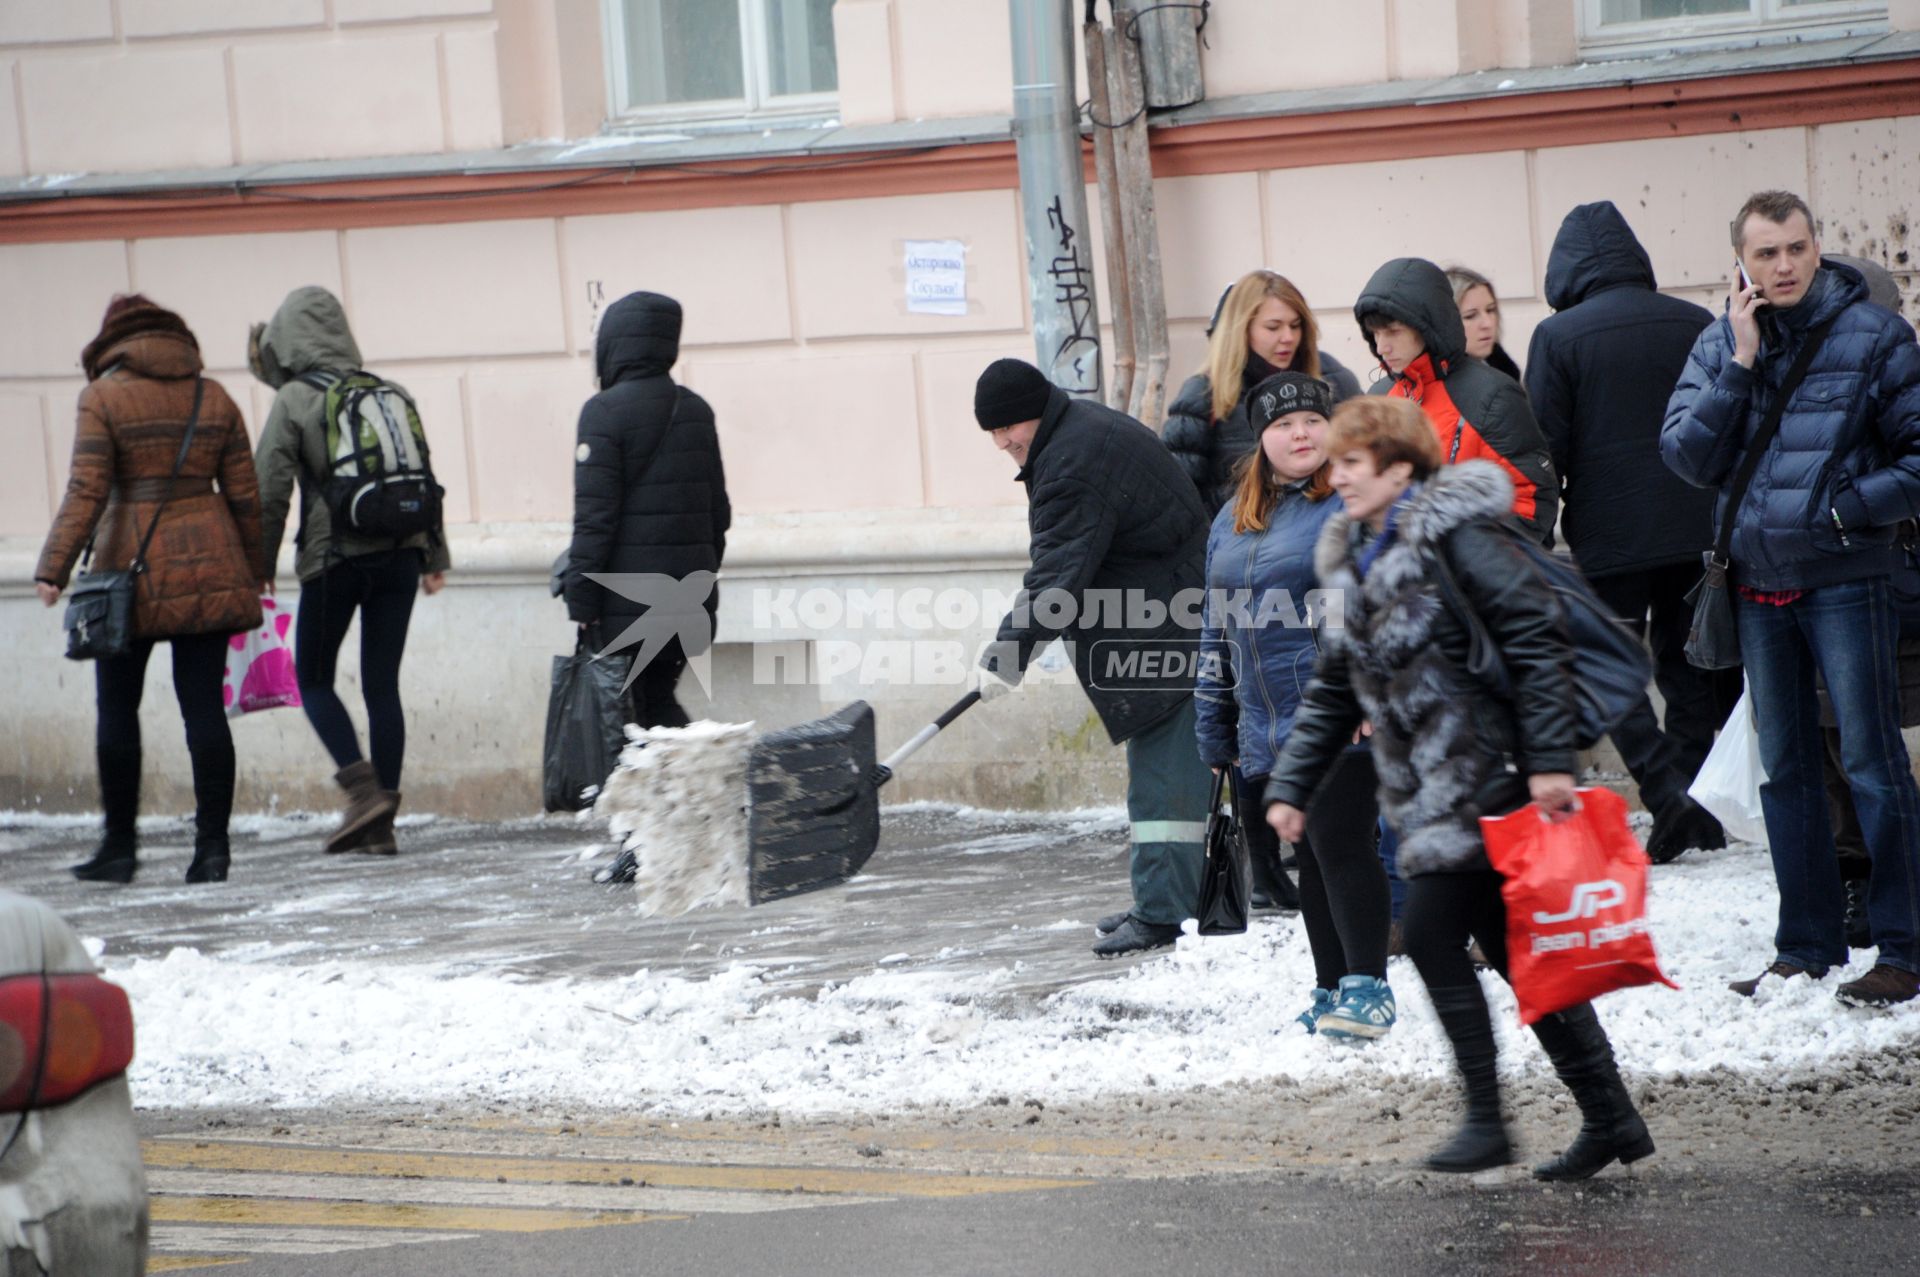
x: 936, y: 277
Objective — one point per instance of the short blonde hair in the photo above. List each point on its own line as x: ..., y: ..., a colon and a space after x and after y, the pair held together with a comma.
x: 1389, y: 428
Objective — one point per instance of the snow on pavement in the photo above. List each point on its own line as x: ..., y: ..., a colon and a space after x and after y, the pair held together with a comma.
x: 250, y: 1027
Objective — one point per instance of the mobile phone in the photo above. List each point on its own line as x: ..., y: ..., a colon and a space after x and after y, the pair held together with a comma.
x: 1746, y: 280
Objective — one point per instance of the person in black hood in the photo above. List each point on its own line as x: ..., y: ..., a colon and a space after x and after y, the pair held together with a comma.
x: 1260, y: 326
x: 649, y: 492
x: 1413, y: 327
x: 1599, y: 372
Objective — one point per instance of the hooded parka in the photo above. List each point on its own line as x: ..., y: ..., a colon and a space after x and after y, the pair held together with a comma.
x: 1115, y: 525
x: 1477, y: 412
x: 649, y: 492
x: 309, y: 334
x: 204, y: 564
x: 1211, y: 452
x: 1599, y: 373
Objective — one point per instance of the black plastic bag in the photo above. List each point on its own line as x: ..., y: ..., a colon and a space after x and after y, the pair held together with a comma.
x: 585, y: 728
x: 1224, y: 882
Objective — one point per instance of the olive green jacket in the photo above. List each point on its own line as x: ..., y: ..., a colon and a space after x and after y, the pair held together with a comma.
x: 309, y: 333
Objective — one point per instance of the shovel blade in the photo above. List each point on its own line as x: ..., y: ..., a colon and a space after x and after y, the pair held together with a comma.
x: 813, y: 813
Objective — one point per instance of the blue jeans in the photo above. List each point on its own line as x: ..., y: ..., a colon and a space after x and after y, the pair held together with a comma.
x: 1848, y: 632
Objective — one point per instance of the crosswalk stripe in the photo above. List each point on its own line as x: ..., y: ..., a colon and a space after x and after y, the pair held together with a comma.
x: 306, y: 1214
x: 189, y: 1154
x: 181, y: 1263
x: 282, y: 1241
x: 456, y: 1192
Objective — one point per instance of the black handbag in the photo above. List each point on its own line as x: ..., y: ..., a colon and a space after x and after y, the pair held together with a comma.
x: 1713, y: 639
x: 1225, y: 885
x: 99, y: 620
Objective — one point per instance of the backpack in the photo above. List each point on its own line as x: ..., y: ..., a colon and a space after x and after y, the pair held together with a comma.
x: 1611, y: 668
x: 380, y: 480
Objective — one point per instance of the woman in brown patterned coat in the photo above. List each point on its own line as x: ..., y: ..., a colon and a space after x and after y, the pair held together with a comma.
x: 204, y: 571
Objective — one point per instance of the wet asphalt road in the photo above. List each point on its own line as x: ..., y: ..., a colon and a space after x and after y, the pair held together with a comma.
x: 945, y: 891
x: 1644, y: 1227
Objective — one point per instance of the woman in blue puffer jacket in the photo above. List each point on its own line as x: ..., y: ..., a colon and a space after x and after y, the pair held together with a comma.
x: 1258, y: 655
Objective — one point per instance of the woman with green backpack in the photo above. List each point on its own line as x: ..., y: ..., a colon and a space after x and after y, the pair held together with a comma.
x: 370, y: 537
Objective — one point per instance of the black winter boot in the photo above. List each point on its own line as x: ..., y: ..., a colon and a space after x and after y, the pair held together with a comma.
x: 114, y: 861
x: 1481, y: 1143
x: 1610, y: 1127
x: 366, y: 803
x: 211, y: 857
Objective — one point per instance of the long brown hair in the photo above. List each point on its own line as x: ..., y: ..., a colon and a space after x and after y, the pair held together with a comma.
x: 1256, y: 489
x: 1227, y: 347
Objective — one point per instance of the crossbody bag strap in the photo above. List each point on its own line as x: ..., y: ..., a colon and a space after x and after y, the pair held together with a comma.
x: 139, y: 563
x: 1769, y: 427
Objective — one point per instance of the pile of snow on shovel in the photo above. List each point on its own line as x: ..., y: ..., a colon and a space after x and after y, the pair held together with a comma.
x: 678, y: 801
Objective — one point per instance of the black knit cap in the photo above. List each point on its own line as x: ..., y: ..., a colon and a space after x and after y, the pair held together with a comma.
x: 1009, y: 392
x: 1286, y: 392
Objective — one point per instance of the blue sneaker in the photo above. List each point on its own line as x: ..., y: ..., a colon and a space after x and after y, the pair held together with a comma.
x: 1322, y: 1003
x: 1366, y: 1009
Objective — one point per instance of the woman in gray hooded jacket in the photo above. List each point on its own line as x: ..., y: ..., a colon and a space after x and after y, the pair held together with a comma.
x: 306, y: 348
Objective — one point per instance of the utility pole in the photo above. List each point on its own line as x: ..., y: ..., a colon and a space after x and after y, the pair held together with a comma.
x: 1053, y: 199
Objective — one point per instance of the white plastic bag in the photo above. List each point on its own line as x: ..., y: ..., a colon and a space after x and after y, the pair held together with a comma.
x: 1729, y: 781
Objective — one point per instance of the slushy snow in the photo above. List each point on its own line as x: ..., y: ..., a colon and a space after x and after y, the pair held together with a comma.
x: 255, y: 1027
x: 677, y: 800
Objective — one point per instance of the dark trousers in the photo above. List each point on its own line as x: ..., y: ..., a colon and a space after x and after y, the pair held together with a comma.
x: 1344, y: 900
x: 649, y: 698
x: 380, y: 588
x: 199, y: 668
x: 1848, y: 633
x: 1664, y: 761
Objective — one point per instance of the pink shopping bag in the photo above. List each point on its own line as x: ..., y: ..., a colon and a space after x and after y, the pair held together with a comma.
x: 260, y: 664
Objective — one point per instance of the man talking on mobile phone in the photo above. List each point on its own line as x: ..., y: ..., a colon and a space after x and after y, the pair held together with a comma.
x: 1814, y: 544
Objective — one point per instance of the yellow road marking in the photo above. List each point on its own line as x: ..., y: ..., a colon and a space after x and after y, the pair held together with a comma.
x: 306, y: 1214
x: 306, y: 1160
x: 181, y: 1263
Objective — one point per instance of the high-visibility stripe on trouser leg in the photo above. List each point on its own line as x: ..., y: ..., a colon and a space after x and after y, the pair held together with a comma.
x: 1167, y: 791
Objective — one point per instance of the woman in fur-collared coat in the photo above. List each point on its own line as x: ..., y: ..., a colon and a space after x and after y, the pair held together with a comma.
x: 1447, y: 750
x: 204, y: 570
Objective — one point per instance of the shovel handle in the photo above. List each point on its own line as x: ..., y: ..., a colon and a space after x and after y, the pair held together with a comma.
x: 884, y: 772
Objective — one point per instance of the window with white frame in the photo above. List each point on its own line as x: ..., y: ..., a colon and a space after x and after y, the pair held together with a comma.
x: 720, y: 59
x: 1644, y: 26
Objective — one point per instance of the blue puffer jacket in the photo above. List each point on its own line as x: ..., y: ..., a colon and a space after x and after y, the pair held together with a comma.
x: 1850, y: 439
x: 1258, y: 654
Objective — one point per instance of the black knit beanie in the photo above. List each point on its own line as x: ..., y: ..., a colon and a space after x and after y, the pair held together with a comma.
x: 1009, y: 392
x: 1286, y: 392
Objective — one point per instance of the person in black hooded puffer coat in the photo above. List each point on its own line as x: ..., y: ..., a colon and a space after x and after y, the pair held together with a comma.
x: 649, y: 492
x: 1599, y: 372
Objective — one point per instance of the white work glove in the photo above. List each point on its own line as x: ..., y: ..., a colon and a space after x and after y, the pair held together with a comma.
x: 992, y: 687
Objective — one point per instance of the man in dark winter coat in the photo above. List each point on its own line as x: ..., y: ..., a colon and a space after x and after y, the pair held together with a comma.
x: 1119, y: 541
x: 649, y: 493
x: 1815, y: 544
x: 1413, y: 327
x: 1599, y: 373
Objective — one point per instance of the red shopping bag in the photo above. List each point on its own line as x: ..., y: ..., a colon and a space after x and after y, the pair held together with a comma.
x: 1576, y: 894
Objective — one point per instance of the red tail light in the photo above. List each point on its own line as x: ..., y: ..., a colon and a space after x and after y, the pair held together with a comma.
x: 58, y: 1036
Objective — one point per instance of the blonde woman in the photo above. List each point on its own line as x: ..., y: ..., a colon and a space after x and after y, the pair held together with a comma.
x: 1261, y: 326
x: 1480, y: 316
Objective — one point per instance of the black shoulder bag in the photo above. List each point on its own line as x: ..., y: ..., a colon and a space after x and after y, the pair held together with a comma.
x: 1713, y: 640
x: 100, y: 604
x: 1225, y: 890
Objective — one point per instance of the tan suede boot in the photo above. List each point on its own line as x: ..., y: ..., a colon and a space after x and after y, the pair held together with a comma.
x: 366, y: 804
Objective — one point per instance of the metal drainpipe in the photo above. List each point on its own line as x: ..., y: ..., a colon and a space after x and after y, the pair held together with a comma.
x: 1053, y: 197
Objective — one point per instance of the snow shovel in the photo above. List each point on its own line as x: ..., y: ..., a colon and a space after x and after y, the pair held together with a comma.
x: 813, y: 799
